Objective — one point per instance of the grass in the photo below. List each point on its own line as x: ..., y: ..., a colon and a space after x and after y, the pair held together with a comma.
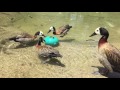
x: 79, y: 55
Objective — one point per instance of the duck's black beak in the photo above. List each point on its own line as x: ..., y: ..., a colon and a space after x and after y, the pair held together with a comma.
x: 49, y: 31
x: 43, y: 35
x: 93, y: 34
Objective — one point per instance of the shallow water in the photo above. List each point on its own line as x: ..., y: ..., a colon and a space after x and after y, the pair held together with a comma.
x: 84, y: 23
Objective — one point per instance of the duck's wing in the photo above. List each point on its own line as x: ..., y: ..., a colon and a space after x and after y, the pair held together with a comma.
x: 47, y: 51
x: 113, y: 56
x: 62, y: 29
x: 65, y: 28
x: 24, y: 35
x: 105, y: 63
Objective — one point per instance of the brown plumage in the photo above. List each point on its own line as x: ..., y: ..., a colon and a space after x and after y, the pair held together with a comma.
x: 109, y: 55
x: 62, y: 31
x: 24, y: 38
x: 46, y: 52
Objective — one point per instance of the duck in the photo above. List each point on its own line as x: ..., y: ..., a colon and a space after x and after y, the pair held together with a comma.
x: 46, y: 52
x: 62, y: 31
x: 109, y: 55
x: 24, y: 37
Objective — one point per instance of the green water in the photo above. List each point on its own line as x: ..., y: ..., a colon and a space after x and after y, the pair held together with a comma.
x: 84, y: 23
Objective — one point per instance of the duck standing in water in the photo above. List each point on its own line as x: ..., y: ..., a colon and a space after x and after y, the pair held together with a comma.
x: 61, y: 30
x: 109, y: 55
x: 46, y: 52
x: 25, y: 38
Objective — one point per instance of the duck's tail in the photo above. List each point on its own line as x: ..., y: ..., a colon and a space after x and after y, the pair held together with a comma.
x: 70, y: 27
x: 55, y: 55
x: 13, y: 38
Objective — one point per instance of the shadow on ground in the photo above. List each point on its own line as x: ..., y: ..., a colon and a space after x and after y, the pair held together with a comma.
x: 55, y: 61
x: 27, y: 45
x: 110, y: 75
x: 67, y: 40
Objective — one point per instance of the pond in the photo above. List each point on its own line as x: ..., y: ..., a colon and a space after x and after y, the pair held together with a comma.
x: 79, y: 50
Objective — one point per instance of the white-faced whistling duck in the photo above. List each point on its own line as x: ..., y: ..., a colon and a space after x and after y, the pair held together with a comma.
x: 46, y: 52
x: 109, y: 55
x: 62, y: 31
x: 24, y: 38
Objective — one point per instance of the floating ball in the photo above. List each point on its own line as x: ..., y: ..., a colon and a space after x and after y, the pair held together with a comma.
x: 51, y: 40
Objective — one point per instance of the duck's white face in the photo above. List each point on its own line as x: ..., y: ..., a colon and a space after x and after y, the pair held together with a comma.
x: 97, y: 31
x: 41, y: 33
x: 51, y: 28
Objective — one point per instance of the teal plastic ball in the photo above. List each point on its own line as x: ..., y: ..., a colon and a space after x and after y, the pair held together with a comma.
x: 51, y: 40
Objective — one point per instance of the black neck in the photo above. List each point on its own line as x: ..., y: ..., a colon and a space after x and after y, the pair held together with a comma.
x: 40, y: 40
x: 105, y: 37
x: 104, y: 33
x: 54, y: 30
